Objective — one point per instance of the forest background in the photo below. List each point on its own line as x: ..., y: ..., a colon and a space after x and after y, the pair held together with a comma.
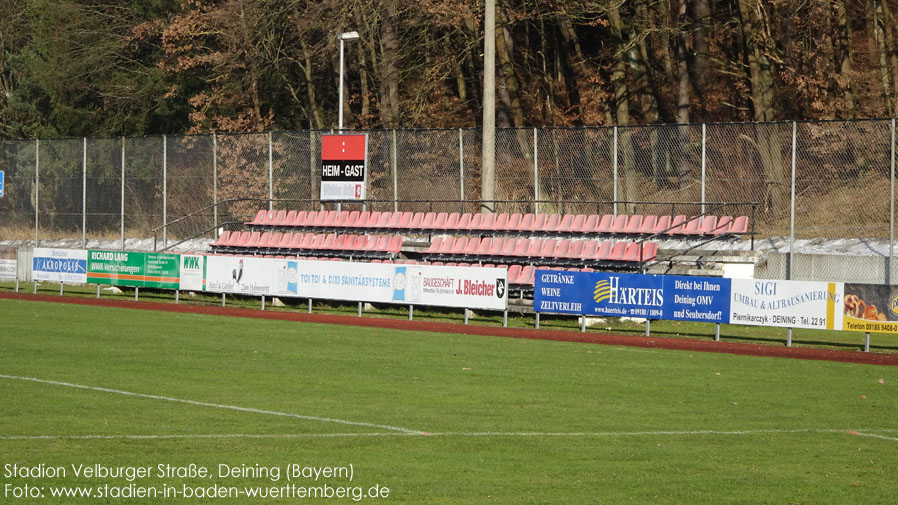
x: 139, y: 67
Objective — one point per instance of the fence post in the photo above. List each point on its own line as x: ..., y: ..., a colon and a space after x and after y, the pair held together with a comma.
x: 890, y: 266
x: 270, y: 175
x: 704, y: 163
x: 122, y: 217
x: 792, y: 209
x: 535, y: 171
x: 461, y: 166
x: 84, y: 193
x: 393, y: 164
x: 37, y: 189
x: 164, y: 192
x: 215, y: 183
x: 614, y: 168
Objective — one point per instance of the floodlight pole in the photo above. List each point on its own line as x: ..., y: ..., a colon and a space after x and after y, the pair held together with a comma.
x: 488, y: 154
x: 343, y: 36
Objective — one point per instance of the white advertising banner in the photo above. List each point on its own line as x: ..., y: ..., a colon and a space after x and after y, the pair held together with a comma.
x: 250, y: 276
x: 471, y: 287
x: 788, y: 304
x: 193, y: 273
x: 8, y: 262
x: 59, y: 265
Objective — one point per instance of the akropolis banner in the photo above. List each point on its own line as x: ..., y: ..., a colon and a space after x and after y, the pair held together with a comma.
x: 125, y: 268
x: 59, y: 265
x: 471, y: 287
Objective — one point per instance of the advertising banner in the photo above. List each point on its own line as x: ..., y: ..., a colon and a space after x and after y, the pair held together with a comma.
x: 702, y: 299
x: 791, y: 304
x: 8, y: 262
x: 870, y: 308
x: 471, y: 287
x: 343, y: 166
x: 251, y: 276
x: 59, y: 265
x: 598, y: 293
x: 193, y: 272
x: 125, y: 268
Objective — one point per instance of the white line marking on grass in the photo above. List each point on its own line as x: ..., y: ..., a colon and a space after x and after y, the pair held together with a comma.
x: 510, y: 434
x: 215, y: 405
x: 873, y: 435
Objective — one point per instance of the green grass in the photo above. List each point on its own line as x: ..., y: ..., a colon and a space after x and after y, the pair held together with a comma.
x: 510, y: 421
x: 836, y: 340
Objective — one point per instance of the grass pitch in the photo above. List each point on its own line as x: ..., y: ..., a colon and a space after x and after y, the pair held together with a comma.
x: 435, y: 418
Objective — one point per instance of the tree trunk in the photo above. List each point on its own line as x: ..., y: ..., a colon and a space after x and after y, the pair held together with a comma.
x: 881, y: 56
x: 683, y: 80
x: 622, y: 108
x: 390, y: 48
x: 503, y: 52
x: 843, y: 60
x: 571, y: 68
x: 701, y: 14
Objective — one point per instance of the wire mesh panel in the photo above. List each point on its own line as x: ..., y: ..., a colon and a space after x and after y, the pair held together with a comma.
x: 61, y: 186
x: 17, y: 202
x: 144, y: 186
x: 514, y: 168
x: 380, y: 171
x: 428, y: 170
x: 575, y: 167
x: 752, y: 163
x: 297, y: 167
x: 472, y: 154
x: 842, y: 179
x: 104, y: 189
x: 189, y: 186
x: 242, y: 175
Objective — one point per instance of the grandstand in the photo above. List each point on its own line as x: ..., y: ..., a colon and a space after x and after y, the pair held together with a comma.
x: 520, y: 242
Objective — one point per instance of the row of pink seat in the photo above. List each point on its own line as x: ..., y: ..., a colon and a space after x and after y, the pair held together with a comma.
x: 448, y: 222
x: 279, y: 241
x: 563, y: 249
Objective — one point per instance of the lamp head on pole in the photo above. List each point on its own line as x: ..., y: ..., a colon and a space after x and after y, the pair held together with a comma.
x: 348, y: 35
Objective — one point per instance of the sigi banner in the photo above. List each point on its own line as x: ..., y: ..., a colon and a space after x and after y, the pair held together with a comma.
x: 125, y: 268
x: 788, y: 304
x: 59, y: 265
x: 8, y: 263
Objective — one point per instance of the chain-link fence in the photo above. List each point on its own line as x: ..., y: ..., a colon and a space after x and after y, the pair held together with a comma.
x: 810, y: 180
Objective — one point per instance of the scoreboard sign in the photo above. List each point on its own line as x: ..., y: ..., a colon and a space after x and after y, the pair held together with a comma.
x: 343, y: 167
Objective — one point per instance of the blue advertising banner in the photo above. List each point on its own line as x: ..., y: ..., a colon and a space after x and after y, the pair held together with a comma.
x: 598, y: 293
x: 704, y: 299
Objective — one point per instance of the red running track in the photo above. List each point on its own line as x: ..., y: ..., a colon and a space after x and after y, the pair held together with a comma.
x: 677, y: 344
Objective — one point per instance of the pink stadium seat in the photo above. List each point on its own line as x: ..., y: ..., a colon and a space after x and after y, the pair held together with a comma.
x: 253, y: 240
x: 605, y: 224
x: 310, y: 218
x: 539, y: 222
x: 561, y: 248
x: 617, y: 252
x: 383, y: 220
x: 261, y: 217
x: 633, y: 225
x: 509, y: 246
x: 239, y: 239
x: 269, y: 237
x: 302, y: 241
x: 323, y: 217
x: 435, y: 245
x: 591, y: 224
x: 439, y: 222
x: 547, y: 248
x: 284, y: 242
x: 472, y: 246
x: 394, y: 246
x: 222, y: 239
x: 603, y: 251
x: 426, y: 221
x: 381, y: 244
x: 464, y: 222
x: 496, y: 247
x: 520, y: 249
x: 337, y: 244
x: 395, y: 221
x: 740, y: 225
x: 662, y: 225
x: 328, y: 242
x: 575, y: 249
x: 297, y: 219
x: 476, y: 220
x: 632, y: 252
x: 527, y: 275
x: 708, y: 225
x: 564, y: 225
x: 514, y: 272
x: 484, y: 246
x: 552, y: 223
x: 514, y: 222
x: 487, y: 222
x: 526, y: 223
x: 533, y: 248
x: 370, y: 243
x: 676, y: 226
x: 405, y: 220
x: 649, y: 251
x: 648, y: 225
x: 370, y: 221
x: 350, y: 221
x: 620, y: 224
x: 317, y: 240
x: 693, y: 226
x: 452, y: 221
x: 282, y: 217
x: 501, y: 222
x: 340, y: 220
